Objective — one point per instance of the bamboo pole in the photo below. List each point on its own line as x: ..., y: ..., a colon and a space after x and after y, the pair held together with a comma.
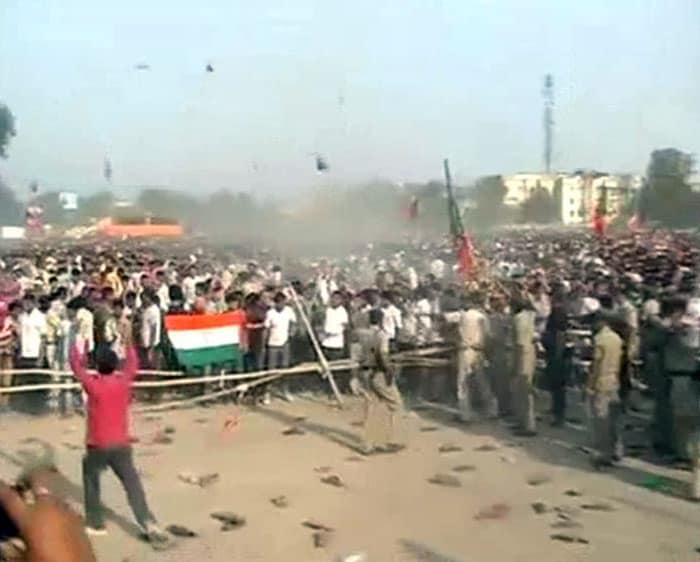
x: 308, y: 367
x: 325, y: 369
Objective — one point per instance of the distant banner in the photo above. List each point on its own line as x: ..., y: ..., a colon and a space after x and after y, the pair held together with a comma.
x: 68, y: 201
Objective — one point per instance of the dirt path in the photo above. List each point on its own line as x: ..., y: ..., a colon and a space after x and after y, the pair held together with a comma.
x: 387, y: 509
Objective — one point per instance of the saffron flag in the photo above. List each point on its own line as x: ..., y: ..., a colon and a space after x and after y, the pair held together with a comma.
x: 205, y: 339
x: 465, y: 255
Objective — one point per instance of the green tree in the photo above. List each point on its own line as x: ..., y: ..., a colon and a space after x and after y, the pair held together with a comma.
x: 488, y: 194
x: 53, y: 210
x: 7, y: 129
x: 169, y: 204
x: 11, y: 212
x: 667, y: 196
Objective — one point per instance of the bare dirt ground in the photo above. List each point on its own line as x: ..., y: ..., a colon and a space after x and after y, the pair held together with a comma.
x: 387, y: 508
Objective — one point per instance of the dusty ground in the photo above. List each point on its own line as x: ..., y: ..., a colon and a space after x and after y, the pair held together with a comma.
x: 388, y: 509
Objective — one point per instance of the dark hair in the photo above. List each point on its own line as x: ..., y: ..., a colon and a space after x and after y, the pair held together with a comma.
x: 106, y: 360
x: 233, y: 296
x: 280, y: 297
x: 76, y: 303
x: 375, y: 316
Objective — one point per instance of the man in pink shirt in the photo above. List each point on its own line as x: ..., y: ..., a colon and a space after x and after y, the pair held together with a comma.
x: 108, y: 441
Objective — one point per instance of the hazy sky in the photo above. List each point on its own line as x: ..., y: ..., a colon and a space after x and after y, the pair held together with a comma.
x: 382, y: 89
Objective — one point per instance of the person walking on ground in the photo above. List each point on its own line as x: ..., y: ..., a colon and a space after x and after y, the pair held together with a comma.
x: 602, y: 391
x: 108, y: 441
x: 382, y: 394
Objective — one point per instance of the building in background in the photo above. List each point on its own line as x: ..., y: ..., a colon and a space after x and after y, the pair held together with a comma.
x: 519, y: 187
x: 580, y: 192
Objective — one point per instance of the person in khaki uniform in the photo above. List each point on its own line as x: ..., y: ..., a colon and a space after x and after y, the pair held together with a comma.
x: 500, y: 354
x: 473, y: 332
x: 382, y: 394
x: 602, y: 389
x: 525, y: 362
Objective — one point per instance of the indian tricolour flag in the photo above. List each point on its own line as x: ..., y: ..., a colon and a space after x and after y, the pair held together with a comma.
x: 205, y: 339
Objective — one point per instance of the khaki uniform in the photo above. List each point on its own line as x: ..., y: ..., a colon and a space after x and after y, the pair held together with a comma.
x: 382, y: 395
x: 603, y: 394
x: 500, y: 353
x: 524, y: 372
x: 473, y: 330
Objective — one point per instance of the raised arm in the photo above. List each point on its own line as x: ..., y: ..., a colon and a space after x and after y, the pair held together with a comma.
x: 78, y: 365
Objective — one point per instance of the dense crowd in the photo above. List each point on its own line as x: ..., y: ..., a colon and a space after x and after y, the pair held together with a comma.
x: 540, y: 309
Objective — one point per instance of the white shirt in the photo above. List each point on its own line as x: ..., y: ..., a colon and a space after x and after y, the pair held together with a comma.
x: 150, y: 327
x: 437, y: 268
x: 391, y: 321
x: 412, y: 278
x: 334, y: 327
x: 164, y: 297
x: 279, y: 324
x: 423, y: 311
x: 189, y: 289
x: 32, y: 327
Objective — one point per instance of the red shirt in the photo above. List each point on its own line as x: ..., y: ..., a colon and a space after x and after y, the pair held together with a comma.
x: 109, y: 397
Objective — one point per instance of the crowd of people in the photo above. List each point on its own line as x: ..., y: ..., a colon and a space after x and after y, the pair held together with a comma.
x: 540, y: 310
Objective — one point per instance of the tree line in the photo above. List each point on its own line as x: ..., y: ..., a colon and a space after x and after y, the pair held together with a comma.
x: 376, y: 210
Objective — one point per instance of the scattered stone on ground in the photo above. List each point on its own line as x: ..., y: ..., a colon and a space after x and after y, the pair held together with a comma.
x: 293, y: 431
x: 447, y: 480
x: 169, y: 430
x: 538, y: 479
x: 487, y: 447
x: 181, y: 531
x: 201, y: 420
x: 300, y: 419
x: 162, y: 439
x: 152, y: 417
x: 356, y: 423
x: 540, y: 507
x: 449, y: 448
x: 598, y: 506
x: 464, y: 468
x: 323, y: 469
x: 316, y: 525
x: 333, y: 480
x: 72, y: 446
x: 510, y: 459
x: 229, y: 519
x: 493, y: 511
x: 566, y: 524
x: 280, y: 501
x: 567, y: 511
x: 568, y: 538
x: 428, y: 428
x: 573, y: 493
x: 322, y: 538
x: 202, y: 481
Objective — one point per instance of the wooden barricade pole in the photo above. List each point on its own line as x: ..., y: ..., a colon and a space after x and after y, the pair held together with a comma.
x: 325, y: 369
